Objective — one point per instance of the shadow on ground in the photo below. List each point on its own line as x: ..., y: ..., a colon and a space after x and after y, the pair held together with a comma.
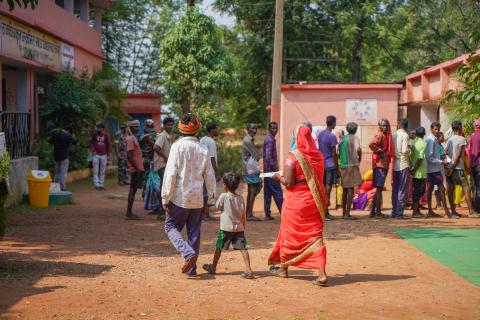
x: 31, y: 271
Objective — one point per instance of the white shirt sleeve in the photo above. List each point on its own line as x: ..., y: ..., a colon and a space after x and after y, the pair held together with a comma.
x: 170, y: 175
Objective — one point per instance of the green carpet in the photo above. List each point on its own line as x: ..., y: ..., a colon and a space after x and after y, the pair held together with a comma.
x: 458, y: 249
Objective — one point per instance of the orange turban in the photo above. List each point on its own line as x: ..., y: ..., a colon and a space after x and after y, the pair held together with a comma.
x: 189, y: 124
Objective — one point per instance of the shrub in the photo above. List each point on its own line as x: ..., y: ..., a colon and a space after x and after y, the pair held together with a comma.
x: 229, y: 158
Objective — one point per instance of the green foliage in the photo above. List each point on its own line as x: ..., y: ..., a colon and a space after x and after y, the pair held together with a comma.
x: 195, y: 66
x: 465, y: 103
x: 209, y: 113
x: 229, y: 158
x: 4, y: 166
x: 132, y: 31
x: 43, y: 149
x: 25, y: 3
x: 70, y: 103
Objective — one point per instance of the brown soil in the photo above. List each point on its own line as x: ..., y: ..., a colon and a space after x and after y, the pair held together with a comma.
x: 85, y: 262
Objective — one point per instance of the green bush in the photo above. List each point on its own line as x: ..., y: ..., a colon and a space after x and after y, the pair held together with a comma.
x: 229, y: 158
x: 43, y: 149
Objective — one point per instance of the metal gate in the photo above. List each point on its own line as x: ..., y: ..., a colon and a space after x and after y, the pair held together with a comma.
x: 16, y: 126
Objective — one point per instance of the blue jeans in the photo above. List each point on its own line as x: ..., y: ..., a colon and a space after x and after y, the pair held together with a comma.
x: 271, y: 189
x: 175, y: 220
x: 99, y: 168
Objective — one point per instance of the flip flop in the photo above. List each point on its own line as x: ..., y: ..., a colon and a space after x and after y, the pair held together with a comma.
x: 274, y: 272
x: 253, y: 218
x: 248, y: 275
x: 189, y: 264
x: 319, y: 283
x: 209, y: 268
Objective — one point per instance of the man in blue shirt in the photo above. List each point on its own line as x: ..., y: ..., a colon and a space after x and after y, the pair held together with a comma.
x: 327, y: 144
x: 272, y: 187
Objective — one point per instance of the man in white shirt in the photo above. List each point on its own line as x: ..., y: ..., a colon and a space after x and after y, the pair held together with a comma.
x: 401, y: 170
x: 162, y: 150
x: 209, y: 144
x: 188, y: 168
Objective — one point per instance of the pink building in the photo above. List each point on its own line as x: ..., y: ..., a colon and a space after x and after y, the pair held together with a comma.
x: 142, y: 107
x: 34, y: 45
x: 364, y: 104
x: 424, y: 90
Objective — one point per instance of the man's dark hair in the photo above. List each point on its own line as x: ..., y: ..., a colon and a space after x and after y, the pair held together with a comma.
x: 420, y: 132
x: 168, y: 120
x: 331, y: 120
x: 435, y: 124
x: 352, y: 128
x: 456, y: 125
x: 231, y: 180
x: 211, y: 126
x: 251, y: 124
x: 403, y: 123
x: 100, y: 125
x: 271, y: 124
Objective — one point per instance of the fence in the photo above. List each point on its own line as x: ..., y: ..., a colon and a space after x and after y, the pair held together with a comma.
x: 16, y: 126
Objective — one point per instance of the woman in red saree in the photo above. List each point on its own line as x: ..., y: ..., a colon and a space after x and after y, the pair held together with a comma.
x: 300, y: 238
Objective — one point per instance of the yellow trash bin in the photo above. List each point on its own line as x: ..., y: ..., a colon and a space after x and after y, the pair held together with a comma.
x: 39, y: 188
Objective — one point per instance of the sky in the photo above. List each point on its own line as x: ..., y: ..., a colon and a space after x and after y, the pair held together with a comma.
x: 220, y: 19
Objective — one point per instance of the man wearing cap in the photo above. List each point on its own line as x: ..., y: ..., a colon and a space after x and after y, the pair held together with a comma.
x: 120, y: 139
x: 135, y: 166
x: 100, y: 148
x: 188, y: 168
x: 147, y: 142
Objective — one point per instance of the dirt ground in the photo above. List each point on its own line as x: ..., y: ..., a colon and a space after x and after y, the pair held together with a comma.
x: 84, y: 261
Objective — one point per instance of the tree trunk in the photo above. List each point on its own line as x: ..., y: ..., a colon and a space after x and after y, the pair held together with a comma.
x: 356, y: 51
x: 186, y: 104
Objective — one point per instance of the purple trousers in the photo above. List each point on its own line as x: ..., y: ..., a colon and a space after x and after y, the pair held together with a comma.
x: 175, y: 220
x: 272, y: 188
x: 400, y: 191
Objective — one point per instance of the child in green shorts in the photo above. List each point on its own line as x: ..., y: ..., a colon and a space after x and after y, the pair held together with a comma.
x: 232, y: 224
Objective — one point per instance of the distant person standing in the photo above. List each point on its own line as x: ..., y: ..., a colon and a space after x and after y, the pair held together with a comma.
x: 474, y: 157
x: 188, y: 169
x: 209, y: 144
x: 251, y: 169
x: 100, y: 148
x: 350, y: 151
x: 382, y: 155
x: 401, y: 169
x: 456, y: 175
x: 162, y: 150
x: 327, y: 143
x: 135, y: 166
x: 271, y: 186
x: 147, y: 142
x: 61, y: 140
x: 418, y: 170
x: 434, y: 169
x: 120, y: 149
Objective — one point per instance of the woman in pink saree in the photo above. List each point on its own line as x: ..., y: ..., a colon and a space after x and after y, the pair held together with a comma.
x: 300, y: 238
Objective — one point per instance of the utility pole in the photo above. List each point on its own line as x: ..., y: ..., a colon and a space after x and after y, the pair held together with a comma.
x: 277, y: 63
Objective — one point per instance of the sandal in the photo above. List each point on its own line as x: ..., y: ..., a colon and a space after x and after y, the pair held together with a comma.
x: 248, y: 275
x: 209, y: 268
x: 320, y: 283
x: 189, y: 264
x: 274, y: 271
x: 253, y: 218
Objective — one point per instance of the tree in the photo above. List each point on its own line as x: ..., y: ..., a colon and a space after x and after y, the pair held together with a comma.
x: 25, y: 3
x: 196, y: 67
x: 132, y: 32
x: 465, y: 101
